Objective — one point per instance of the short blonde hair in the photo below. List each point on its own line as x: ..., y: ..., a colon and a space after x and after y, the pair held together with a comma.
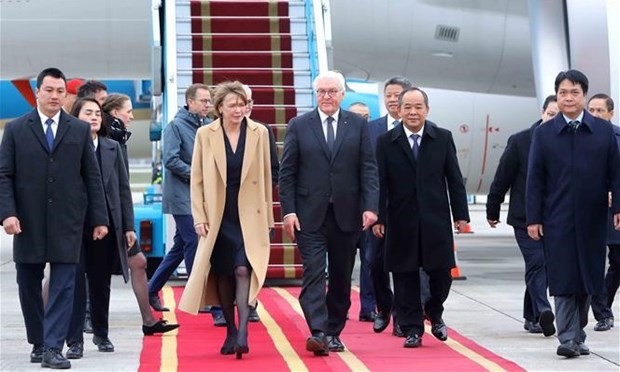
x: 224, y: 89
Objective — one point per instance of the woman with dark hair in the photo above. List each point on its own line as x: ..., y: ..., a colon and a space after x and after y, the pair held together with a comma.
x: 231, y: 205
x: 102, y: 258
x: 118, y: 114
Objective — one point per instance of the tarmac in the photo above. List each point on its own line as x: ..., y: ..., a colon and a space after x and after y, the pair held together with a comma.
x: 486, y: 307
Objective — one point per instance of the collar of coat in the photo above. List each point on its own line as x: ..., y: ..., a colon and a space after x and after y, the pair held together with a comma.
x: 216, y: 140
x: 64, y: 123
x: 560, y: 124
x: 429, y: 130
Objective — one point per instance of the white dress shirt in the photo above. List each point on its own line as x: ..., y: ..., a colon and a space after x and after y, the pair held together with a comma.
x: 390, y: 122
x: 408, y: 133
x: 44, y: 118
x: 324, y: 117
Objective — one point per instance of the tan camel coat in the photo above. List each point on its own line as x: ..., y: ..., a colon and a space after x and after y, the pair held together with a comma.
x: 208, y: 194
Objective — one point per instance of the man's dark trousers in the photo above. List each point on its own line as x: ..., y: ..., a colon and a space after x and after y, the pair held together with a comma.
x: 601, y: 304
x: 185, y: 242
x: 47, y: 327
x: 535, y: 298
x: 384, y: 296
x: 340, y: 249
x: 367, y: 293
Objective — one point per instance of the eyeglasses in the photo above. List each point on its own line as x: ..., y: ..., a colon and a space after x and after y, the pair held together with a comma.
x: 330, y: 93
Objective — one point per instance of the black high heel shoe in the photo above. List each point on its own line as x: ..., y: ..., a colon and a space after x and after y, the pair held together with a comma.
x: 241, y: 349
x: 229, y: 346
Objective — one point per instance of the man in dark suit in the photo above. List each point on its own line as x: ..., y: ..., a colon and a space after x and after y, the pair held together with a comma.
x: 373, y: 246
x: 511, y: 174
x: 573, y: 164
x: 329, y: 193
x: 48, y: 177
x: 420, y: 184
x: 602, y: 106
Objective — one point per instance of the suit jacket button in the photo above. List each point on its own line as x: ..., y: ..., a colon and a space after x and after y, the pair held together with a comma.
x: 50, y: 180
x: 49, y: 200
x: 51, y: 160
x: 254, y: 182
x: 258, y: 211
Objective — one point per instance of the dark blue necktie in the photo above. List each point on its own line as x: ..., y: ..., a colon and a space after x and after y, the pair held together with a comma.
x: 49, y: 134
x: 415, y: 147
x: 330, y: 133
x: 574, y: 124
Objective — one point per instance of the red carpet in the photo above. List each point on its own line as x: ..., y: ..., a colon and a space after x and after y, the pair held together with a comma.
x: 225, y: 8
x: 250, y: 41
x: 250, y: 59
x: 198, y: 343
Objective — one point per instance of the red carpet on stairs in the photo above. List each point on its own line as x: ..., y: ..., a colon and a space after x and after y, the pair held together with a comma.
x: 250, y: 41
x: 198, y: 343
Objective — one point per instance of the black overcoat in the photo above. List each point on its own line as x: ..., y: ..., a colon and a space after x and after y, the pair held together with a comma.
x: 569, y: 176
x: 118, y: 196
x: 49, y: 192
x: 416, y: 198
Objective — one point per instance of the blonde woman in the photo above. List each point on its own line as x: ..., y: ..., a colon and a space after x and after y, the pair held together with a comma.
x: 231, y: 205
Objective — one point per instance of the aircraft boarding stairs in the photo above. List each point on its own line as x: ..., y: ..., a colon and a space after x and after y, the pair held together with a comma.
x: 263, y: 44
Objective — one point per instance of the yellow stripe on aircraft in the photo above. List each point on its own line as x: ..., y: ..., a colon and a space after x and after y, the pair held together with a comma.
x: 347, y: 357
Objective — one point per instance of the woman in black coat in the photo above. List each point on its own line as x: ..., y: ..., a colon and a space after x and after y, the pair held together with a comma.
x: 117, y: 252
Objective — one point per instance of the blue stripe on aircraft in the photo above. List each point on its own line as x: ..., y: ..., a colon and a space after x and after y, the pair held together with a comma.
x: 13, y: 104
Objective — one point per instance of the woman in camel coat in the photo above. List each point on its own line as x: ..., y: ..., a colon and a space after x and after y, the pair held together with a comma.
x: 231, y: 204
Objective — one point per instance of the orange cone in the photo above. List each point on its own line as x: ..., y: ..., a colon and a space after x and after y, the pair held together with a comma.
x: 456, y: 270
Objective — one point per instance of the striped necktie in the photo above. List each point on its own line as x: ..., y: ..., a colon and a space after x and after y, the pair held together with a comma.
x: 574, y: 124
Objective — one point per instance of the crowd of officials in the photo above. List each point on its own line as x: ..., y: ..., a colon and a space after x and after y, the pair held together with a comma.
x: 391, y: 187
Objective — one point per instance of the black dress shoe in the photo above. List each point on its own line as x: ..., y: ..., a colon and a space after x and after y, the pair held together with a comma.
x: 36, y: 355
x: 317, y: 343
x: 413, y: 341
x: 569, y: 349
x: 536, y: 328
x: 527, y: 324
x: 253, y: 317
x: 546, y: 323
x: 103, y: 344
x: 368, y: 317
x: 440, y: 331
x: 396, y: 331
x: 161, y: 326
x: 52, y: 358
x: 583, y: 349
x: 88, y: 326
x: 334, y: 344
x: 156, y: 303
x: 75, y: 351
x: 381, y: 321
x: 604, y: 324
x: 218, y: 318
